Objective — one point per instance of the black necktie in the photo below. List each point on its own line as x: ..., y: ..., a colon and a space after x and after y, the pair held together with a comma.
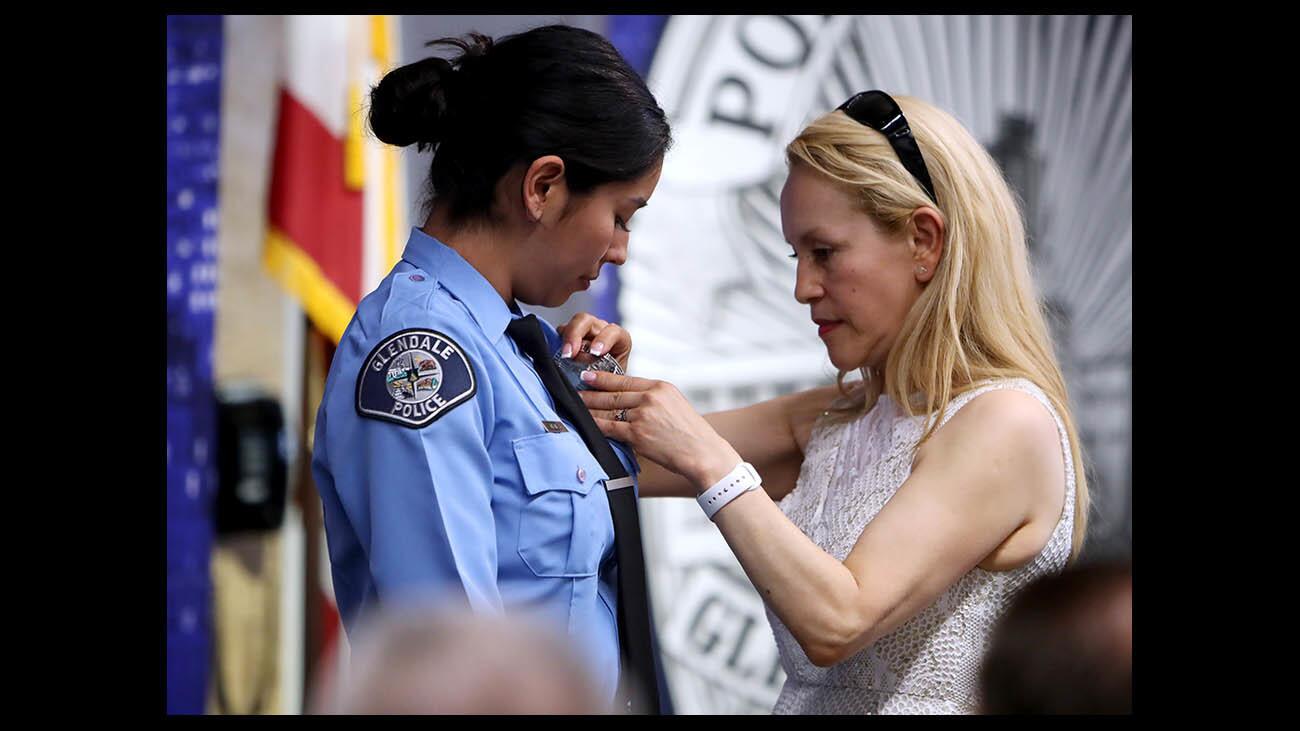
x: 638, y: 689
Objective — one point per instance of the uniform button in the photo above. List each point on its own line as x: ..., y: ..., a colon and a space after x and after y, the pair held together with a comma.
x: 417, y: 277
x: 582, y: 475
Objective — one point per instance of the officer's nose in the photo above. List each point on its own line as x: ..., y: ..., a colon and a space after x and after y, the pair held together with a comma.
x: 807, y: 285
x: 617, y: 253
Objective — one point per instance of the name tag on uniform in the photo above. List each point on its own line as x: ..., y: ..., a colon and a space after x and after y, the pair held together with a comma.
x: 555, y: 427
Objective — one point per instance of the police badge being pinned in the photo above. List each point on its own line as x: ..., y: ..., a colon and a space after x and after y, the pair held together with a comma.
x: 414, y: 377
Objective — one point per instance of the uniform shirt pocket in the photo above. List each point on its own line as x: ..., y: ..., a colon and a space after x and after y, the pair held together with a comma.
x: 564, y: 526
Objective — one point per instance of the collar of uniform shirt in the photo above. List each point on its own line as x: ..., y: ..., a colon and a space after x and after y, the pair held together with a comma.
x: 451, y: 270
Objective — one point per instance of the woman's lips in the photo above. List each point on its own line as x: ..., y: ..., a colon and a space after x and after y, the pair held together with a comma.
x: 825, y: 326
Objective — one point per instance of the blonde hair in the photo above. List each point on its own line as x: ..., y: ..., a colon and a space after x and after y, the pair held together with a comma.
x: 980, y: 317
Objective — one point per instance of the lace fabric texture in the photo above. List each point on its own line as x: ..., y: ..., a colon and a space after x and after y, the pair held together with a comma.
x: 930, y: 664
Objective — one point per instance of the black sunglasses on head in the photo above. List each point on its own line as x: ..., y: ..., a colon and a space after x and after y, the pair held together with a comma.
x: 879, y: 111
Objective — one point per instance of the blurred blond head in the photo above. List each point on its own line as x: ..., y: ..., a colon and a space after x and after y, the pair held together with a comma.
x: 423, y: 661
x: 980, y: 317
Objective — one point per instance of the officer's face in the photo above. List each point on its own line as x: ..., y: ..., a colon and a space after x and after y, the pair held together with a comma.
x: 594, y: 230
x: 857, y: 280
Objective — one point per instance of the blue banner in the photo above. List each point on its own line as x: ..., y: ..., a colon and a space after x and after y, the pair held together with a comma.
x: 194, y: 46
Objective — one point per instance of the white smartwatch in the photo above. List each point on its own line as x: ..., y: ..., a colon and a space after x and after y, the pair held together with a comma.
x: 741, y: 479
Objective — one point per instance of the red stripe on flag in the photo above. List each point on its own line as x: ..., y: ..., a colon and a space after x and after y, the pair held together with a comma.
x: 331, y: 623
x: 309, y: 200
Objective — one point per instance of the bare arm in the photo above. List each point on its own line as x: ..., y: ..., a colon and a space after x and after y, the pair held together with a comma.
x: 988, y: 472
x: 770, y: 435
x: 994, y: 468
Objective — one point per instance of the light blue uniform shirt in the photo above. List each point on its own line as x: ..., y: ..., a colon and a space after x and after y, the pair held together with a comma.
x: 438, y: 477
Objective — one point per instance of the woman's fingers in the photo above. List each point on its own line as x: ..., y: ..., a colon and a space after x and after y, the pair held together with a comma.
x: 580, y: 327
x: 594, y: 328
x: 606, y: 381
x: 612, y: 339
x: 585, y: 332
x: 612, y: 400
x: 612, y: 414
x: 613, y: 429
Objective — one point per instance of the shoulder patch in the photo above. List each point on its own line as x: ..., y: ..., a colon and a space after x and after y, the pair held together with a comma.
x: 414, y: 377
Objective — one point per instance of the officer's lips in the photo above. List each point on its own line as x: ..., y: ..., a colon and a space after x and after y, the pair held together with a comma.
x: 825, y: 326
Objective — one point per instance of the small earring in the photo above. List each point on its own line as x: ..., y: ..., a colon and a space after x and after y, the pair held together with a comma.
x: 921, y: 270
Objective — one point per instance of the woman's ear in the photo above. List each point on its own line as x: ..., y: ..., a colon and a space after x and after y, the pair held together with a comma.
x: 926, y: 230
x: 545, y: 192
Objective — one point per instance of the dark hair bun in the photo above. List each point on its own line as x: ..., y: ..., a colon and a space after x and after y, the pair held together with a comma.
x: 473, y: 45
x: 409, y: 104
x: 493, y: 104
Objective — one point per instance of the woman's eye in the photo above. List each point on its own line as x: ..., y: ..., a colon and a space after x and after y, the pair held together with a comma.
x: 821, y: 254
x: 620, y: 223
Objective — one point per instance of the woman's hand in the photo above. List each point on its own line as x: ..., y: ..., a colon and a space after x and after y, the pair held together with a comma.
x: 658, y: 422
x: 606, y: 337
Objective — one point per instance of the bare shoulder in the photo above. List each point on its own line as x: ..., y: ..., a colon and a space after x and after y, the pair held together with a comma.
x: 984, y: 490
x: 1009, y: 437
x: 1009, y: 413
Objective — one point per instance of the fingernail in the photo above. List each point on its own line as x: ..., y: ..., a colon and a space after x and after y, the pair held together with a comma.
x: 597, y: 348
x: 588, y: 376
x: 567, y: 351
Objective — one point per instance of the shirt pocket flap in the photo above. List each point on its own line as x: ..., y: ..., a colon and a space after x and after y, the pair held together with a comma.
x: 557, y: 462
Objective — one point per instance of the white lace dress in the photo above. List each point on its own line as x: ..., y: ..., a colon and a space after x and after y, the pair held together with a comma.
x: 931, y: 663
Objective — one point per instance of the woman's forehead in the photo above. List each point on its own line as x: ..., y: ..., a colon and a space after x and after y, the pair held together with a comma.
x: 816, y: 208
x: 809, y: 186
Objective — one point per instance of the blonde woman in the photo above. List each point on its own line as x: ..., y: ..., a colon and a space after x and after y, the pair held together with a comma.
x: 893, y: 526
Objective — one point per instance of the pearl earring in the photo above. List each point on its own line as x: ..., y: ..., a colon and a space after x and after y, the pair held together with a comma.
x: 921, y: 270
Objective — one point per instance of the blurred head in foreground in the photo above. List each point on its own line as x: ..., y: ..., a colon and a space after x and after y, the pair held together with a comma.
x: 413, y: 661
x: 1065, y: 646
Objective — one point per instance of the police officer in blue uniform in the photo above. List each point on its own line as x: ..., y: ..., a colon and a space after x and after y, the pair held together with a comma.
x: 453, y: 463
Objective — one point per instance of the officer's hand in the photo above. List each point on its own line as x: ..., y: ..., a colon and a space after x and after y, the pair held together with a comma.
x: 656, y: 420
x: 605, y: 337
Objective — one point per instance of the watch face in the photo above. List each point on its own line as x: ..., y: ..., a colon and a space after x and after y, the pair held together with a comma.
x: 573, y: 367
